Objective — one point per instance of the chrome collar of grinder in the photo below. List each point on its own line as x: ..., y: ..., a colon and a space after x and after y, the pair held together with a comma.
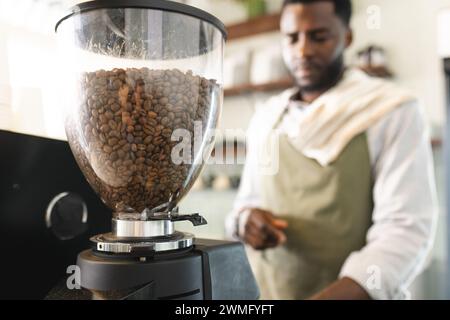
x: 141, y: 247
x: 142, y: 228
x: 155, y: 233
x: 123, y: 228
x: 153, y: 223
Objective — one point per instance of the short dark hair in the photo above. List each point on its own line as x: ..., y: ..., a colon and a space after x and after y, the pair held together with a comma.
x: 343, y: 8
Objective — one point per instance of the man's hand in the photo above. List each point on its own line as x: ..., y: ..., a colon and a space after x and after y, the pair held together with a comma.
x: 343, y: 289
x: 262, y: 230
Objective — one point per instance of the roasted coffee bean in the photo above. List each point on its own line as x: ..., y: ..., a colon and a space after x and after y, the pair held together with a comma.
x: 126, y: 147
x: 141, y: 153
x: 103, y: 118
x: 148, y: 140
x: 114, y: 156
x: 109, y: 115
x: 113, y: 142
x: 127, y: 118
x: 165, y: 121
x: 152, y: 115
x: 104, y: 128
x: 163, y: 101
x: 130, y: 138
x: 107, y: 149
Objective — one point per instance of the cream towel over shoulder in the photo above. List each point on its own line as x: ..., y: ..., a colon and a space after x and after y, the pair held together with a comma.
x: 351, y: 107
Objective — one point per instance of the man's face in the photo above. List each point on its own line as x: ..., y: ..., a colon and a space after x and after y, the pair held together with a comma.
x: 314, y: 40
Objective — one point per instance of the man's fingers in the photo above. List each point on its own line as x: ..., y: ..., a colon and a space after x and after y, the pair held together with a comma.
x: 267, y: 217
x: 274, y: 233
x: 261, y: 219
x: 263, y: 225
x: 253, y: 230
x: 254, y: 241
x: 257, y: 221
x: 279, y: 223
x: 262, y: 230
x: 261, y: 238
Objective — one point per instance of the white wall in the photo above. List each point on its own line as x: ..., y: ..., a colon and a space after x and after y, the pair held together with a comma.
x: 29, y: 86
x: 408, y: 32
x: 5, y: 92
x: 238, y: 110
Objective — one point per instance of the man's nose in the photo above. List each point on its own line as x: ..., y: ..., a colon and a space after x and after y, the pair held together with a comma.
x: 304, y: 47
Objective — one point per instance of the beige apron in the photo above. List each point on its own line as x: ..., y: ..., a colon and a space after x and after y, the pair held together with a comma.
x: 329, y: 212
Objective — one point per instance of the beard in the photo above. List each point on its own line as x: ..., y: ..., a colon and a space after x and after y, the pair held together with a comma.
x: 327, y: 78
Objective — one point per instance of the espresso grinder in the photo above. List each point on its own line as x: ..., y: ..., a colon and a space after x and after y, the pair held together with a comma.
x: 143, y: 95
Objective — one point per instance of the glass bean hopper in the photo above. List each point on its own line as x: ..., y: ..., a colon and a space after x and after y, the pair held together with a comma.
x: 142, y: 96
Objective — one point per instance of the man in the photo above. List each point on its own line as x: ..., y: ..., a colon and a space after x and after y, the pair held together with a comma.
x: 350, y: 212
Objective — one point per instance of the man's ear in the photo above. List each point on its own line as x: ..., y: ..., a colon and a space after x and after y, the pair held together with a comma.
x: 348, y: 38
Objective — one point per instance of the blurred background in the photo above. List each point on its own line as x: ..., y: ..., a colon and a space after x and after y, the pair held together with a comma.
x: 405, y: 41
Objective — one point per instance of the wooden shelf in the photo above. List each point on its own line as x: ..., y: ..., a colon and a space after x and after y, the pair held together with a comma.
x: 379, y: 72
x: 281, y: 84
x: 267, y: 23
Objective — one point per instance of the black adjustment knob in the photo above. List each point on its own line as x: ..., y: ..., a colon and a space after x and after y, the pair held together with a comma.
x: 67, y: 216
x: 195, y: 219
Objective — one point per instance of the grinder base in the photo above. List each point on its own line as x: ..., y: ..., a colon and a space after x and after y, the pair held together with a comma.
x: 213, y: 269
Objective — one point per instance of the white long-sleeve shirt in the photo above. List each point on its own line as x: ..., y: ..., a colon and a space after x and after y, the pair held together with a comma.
x: 405, y: 202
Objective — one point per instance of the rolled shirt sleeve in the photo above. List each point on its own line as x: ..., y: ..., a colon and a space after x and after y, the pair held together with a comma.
x: 405, y: 206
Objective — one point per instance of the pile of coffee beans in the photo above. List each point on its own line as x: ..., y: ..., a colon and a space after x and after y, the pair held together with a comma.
x: 121, y: 135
